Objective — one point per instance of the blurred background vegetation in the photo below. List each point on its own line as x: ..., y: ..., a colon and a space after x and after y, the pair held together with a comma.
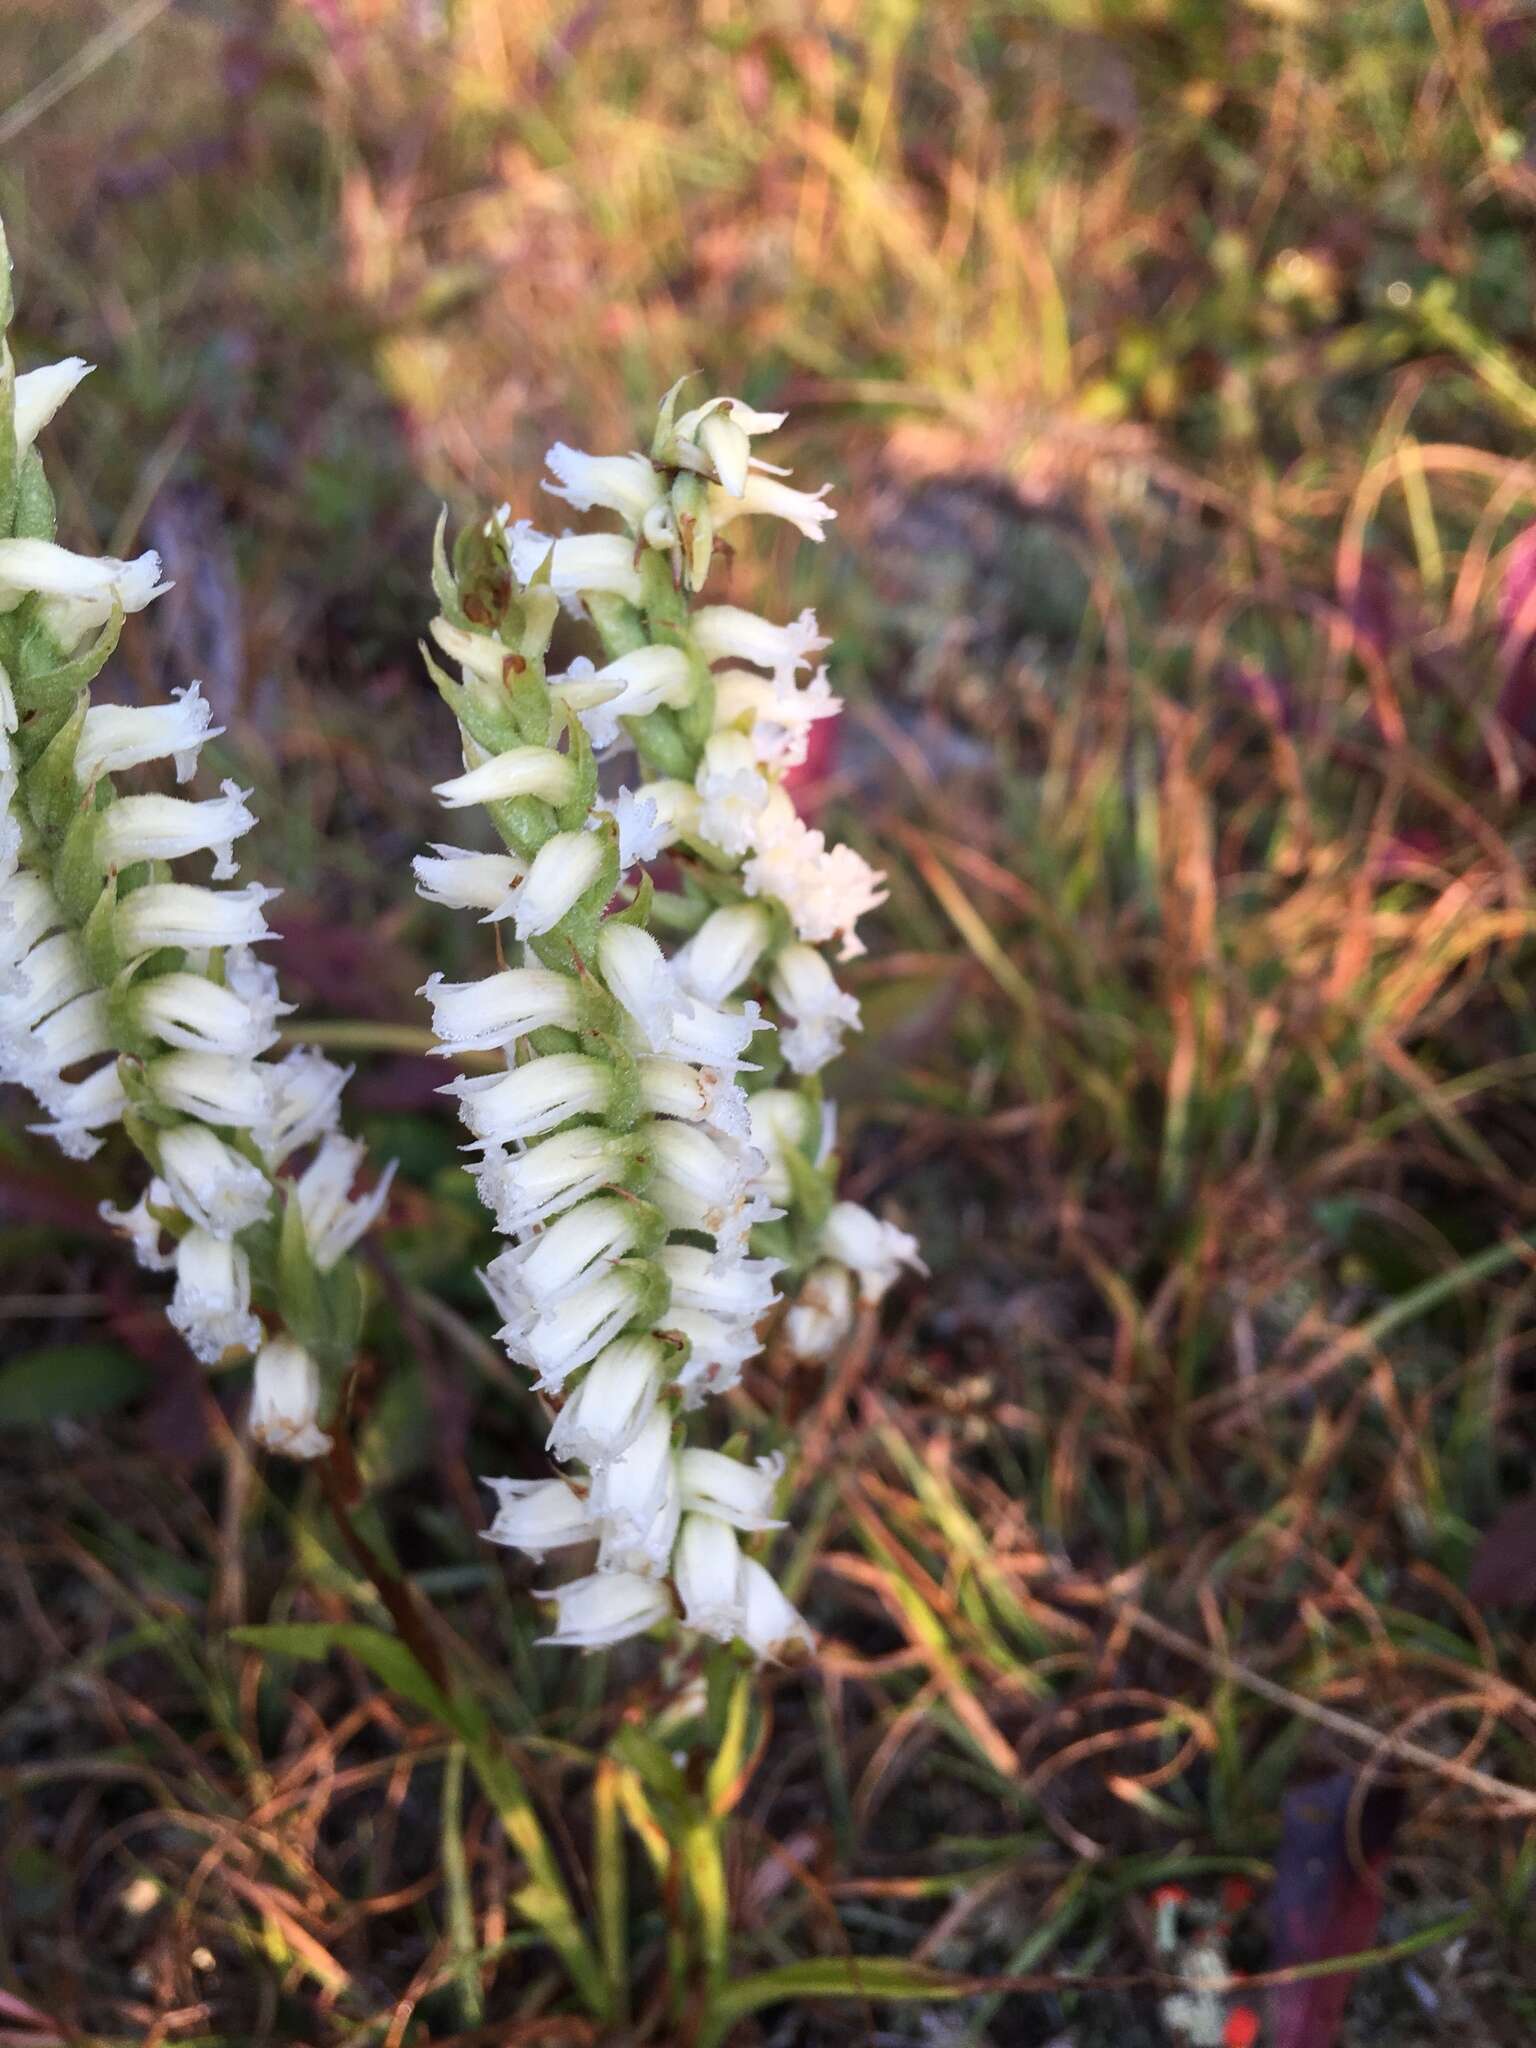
x: 1172, y: 364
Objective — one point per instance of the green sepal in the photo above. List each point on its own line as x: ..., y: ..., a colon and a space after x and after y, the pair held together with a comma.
x: 482, y: 708
x: 40, y: 688
x: 53, y: 793
x: 128, y: 1035
x: 664, y: 605
x: 34, y: 516
x: 662, y: 745
x: 696, y: 720
x: 653, y: 1292
x: 103, y: 954
x: 443, y: 584
x: 300, y: 1298
x: 623, y: 1111
x: 524, y: 822
x: 678, y: 912
x: 650, y: 1228
x: 79, y: 870
x: 573, y: 815
x: 638, y: 910
x: 345, y: 1290
x: 146, y: 1112
x: 619, y: 624
x: 527, y: 698
x: 549, y: 1038
x: 666, y: 417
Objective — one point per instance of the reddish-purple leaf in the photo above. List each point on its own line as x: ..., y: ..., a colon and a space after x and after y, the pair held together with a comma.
x: 1327, y: 1899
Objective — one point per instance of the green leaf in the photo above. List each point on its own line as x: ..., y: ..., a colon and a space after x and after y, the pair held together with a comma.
x: 872, y: 1977
x: 385, y: 1656
x: 68, y: 1380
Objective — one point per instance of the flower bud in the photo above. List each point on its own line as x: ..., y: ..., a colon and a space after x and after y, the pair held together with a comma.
x: 723, y: 951
x: 519, y: 771
x: 211, y: 1086
x: 470, y: 1016
x: 118, y: 736
x: 771, y: 1626
x: 178, y: 914
x: 707, y: 1572
x: 285, y: 1400
x: 462, y: 880
x: 821, y: 1315
x: 564, y: 869
x: 533, y: 1098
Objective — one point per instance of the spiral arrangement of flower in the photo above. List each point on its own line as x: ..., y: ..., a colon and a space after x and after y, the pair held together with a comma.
x: 658, y: 1150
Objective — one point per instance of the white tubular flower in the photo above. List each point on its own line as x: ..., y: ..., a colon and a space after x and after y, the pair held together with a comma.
x: 876, y: 1251
x: 732, y: 792
x: 614, y: 1401
x: 606, y: 1608
x: 707, y: 1570
x: 142, y: 1229
x: 211, y: 1086
x: 720, y: 1287
x: 639, y: 1501
x: 715, y: 1038
x: 477, y: 653
x: 806, y: 511
x: 640, y: 977
x: 211, y: 1182
x: 806, y: 990
x: 647, y: 678
x: 713, y: 1484
x: 533, y: 1098
x: 520, y: 771
x: 28, y: 910
x: 79, y: 1109
x: 602, y: 563
x: 677, y: 808
x: 178, y: 914
x: 719, y: 1346
x: 462, y: 880
x: 40, y: 393
x: 304, y: 1102
x: 705, y: 1183
x: 527, y: 1280
x: 77, y: 591
x: 538, y: 1515
x: 826, y: 890
x: 576, y: 1329
x: 643, y: 834
x: 525, y: 1189
x: 596, y: 702
x: 626, y: 484
x: 821, y: 1316
x: 285, y: 1401
x: 212, y: 1303
x: 724, y: 632
x: 119, y: 736
x: 564, y: 869
x: 471, y: 1016
x: 78, y: 1031
x: 771, y: 1626
x: 169, y: 827
x: 777, y: 719
x: 698, y: 1095
x: 197, y: 1015
x: 333, y: 1223
x: 53, y: 973
x: 632, y: 1489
